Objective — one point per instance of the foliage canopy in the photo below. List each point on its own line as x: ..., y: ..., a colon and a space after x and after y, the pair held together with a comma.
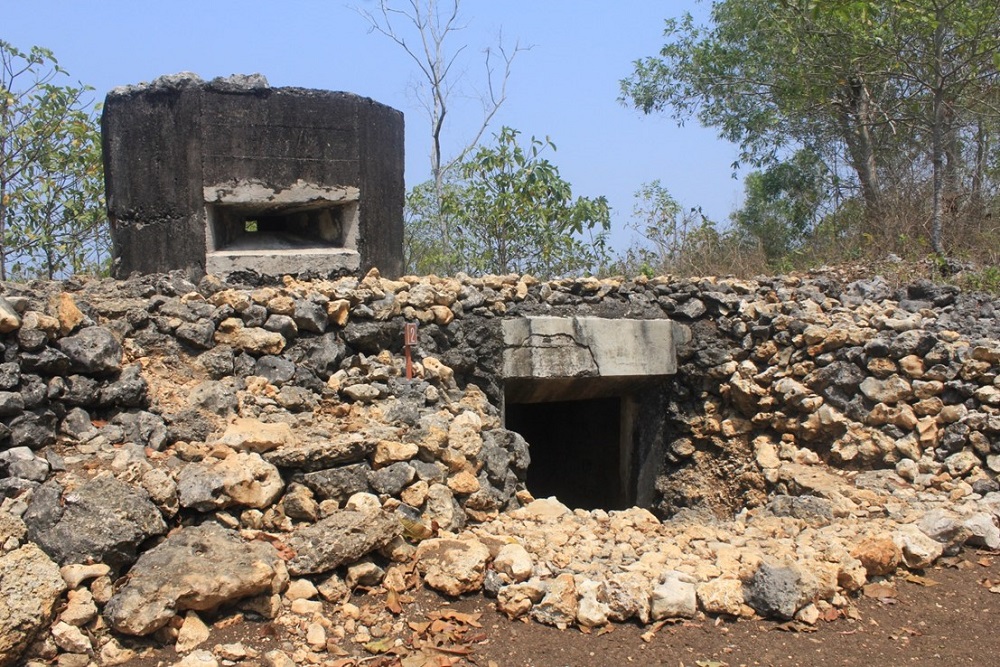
x: 52, y: 220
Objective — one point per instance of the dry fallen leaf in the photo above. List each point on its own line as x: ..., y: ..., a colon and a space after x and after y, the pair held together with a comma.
x: 383, y: 645
x: 921, y: 581
x: 392, y: 603
x: 880, y: 591
x: 795, y: 626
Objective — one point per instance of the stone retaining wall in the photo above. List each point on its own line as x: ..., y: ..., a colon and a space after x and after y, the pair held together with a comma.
x: 269, y: 430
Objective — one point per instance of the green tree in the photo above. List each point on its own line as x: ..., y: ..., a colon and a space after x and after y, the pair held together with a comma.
x: 51, y: 182
x: 902, y: 92
x: 514, y: 213
x: 781, y: 204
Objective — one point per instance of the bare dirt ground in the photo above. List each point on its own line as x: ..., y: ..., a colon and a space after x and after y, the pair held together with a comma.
x: 944, y: 617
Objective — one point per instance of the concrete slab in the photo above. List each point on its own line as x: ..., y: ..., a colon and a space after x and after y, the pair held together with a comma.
x: 578, y: 347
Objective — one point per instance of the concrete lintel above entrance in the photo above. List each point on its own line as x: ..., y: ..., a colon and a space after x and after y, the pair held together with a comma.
x: 578, y: 347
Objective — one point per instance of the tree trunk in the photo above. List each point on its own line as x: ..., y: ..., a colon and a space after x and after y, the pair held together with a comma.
x: 856, y: 122
x: 938, y: 122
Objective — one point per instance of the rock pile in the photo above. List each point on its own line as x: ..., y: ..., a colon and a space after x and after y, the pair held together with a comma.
x: 170, y: 450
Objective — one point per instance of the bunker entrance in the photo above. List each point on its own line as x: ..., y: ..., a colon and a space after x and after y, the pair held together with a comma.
x: 576, y: 451
x: 588, y: 395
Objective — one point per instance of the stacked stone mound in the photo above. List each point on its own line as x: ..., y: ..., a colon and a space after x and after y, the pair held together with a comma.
x: 171, y: 450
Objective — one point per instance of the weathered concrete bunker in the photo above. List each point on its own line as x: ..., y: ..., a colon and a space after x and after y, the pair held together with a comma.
x: 234, y: 175
x: 577, y: 389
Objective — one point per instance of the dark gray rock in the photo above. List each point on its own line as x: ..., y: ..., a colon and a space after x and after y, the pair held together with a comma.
x: 392, y: 479
x: 99, y: 520
x: 143, y: 428
x: 321, y: 355
x: 310, y: 315
x: 775, y: 591
x: 33, y: 429
x: 76, y: 390
x: 77, y: 424
x: 430, y: 472
x: 276, y: 370
x: 811, y: 509
x: 22, y: 463
x: 31, y: 340
x: 128, y: 391
x: 254, y: 316
x: 93, y: 351
x: 11, y: 403
x: 10, y: 375
x: 215, y: 397
x: 496, y: 463
x: 217, y: 362
x: 338, y: 483
x: 183, y: 572
x: 284, y: 325
x: 339, y: 539
x: 690, y: 309
x: 296, y: 399
x: 189, y: 426
x: 373, y: 337
x: 199, y: 334
x: 48, y: 361
x: 915, y: 341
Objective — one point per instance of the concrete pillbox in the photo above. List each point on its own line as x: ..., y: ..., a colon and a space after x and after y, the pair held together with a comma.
x: 232, y: 175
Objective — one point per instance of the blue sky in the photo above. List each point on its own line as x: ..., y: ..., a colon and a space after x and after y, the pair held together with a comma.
x: 564, y: 87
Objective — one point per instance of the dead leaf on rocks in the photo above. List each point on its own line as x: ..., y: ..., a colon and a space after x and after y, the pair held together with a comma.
x: 885, y: 593
x: 985, y: 561
x: 831, y: 614
x: 378, y: 646
x: 656, y: 627
x: 392, y: 603
x: 991, y: 585
x: 795, y: 626
x: 921, y: 581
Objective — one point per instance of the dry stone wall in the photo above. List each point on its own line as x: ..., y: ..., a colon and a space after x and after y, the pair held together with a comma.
x: 267, y: 429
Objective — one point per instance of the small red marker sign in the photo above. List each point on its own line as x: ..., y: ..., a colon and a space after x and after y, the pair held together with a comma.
x: 409, y: 340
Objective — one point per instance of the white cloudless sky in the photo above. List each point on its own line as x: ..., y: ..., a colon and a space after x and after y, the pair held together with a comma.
x: 565, y: 87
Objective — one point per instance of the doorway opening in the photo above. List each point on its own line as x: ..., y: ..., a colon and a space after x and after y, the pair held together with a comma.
x: 576, y: 450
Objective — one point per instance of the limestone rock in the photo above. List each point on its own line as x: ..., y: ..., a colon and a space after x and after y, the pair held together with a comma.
x: 452, y: 566
x: 30, y: 586
x: 9, y: 319
x: 879, y: 555
x: 918, y: 550
x: 334, y: 449
x: 721, y: 596
x: 517, y: 600
x: 252, y: 340
x: 514, y: 561
x: 80, y: 608
x: 195, y: 568
x: 341, y: 538
x: 252, y: 435
x: 628, y: 597
x: 559, y: 606
x: 592, y: 610
x: 192, y: 633
x: 241, y: 479
x: 675, y: 596
x: 70, y: 638
x: 100, y: 519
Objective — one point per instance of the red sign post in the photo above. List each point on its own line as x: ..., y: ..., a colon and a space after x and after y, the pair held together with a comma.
x: 409, y: 340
